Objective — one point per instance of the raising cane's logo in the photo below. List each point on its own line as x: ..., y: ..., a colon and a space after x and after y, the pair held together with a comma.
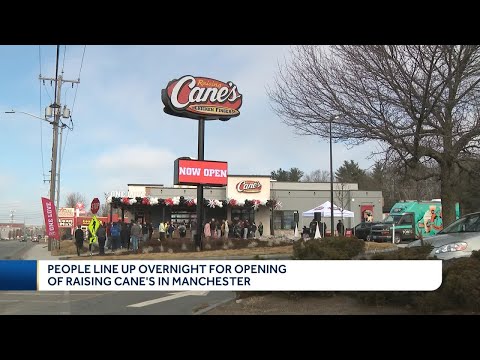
x: 249, y: 186
x: 199, y: 97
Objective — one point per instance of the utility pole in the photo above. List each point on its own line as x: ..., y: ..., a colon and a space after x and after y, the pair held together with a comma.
x: 65, y: 114
x: 56, y: 114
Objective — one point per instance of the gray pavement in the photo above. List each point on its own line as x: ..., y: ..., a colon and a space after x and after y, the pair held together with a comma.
x: 39, y: 251
x: 14, y: 249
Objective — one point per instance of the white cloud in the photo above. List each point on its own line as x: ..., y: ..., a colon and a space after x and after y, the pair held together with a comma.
x: 121, y: 165
x: 6, y: 181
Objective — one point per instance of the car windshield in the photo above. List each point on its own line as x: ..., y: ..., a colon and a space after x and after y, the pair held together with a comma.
x: 392, y: 219
x: 470, y: 223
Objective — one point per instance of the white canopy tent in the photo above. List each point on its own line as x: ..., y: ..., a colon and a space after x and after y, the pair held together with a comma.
x: 325, y: 210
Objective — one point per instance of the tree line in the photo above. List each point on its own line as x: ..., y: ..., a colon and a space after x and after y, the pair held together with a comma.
x: 395, y: 184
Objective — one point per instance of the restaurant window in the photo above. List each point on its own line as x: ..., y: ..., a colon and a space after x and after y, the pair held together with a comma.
x: 243, y: 214
x: 179, y: 217
x: 283, y: 220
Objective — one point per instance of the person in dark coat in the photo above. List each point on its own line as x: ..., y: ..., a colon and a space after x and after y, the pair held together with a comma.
x: 260, y: 228
x: 340, y: 228
x: 124, y: 235
x: 79, y: 238
x: 313, y: 228
x: 150, y: 231
x: 129, y: 234
x: 102, y: 237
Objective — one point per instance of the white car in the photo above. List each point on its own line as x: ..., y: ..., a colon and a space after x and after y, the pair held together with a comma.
x: 458, y: 239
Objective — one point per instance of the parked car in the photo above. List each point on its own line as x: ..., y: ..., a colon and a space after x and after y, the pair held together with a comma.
x: 458, y: 239
x: 362, y: 230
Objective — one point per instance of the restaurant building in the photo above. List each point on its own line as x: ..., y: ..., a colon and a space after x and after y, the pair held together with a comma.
x: 246, y: 197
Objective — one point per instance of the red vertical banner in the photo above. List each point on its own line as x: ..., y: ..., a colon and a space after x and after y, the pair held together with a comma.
x: 50, y: 216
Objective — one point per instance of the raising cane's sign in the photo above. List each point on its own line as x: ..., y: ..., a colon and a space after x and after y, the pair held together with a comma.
x: 249, y: 186
x: 200, y: 97
x: 199, y: 172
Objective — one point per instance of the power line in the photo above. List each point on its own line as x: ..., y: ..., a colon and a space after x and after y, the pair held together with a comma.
x: 56, y: 74
x: 81, y: 65
x: 46, y: 90
x: 40, y: 111
x: 64, y: 146
x: 64, y: 55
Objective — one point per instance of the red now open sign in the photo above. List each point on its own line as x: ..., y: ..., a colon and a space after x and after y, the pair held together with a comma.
x: 199, y: 172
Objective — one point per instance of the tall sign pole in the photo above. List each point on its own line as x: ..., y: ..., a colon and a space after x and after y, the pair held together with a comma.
x: 201, y: 98
x: 201, y: 156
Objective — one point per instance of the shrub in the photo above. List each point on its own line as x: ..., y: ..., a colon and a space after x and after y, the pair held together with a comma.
x: 459, y: 292
x: 461, y: 283
x: 341, y: 248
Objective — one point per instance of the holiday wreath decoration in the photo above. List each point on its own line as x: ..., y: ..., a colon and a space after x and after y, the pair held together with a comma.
x: 190, y: 202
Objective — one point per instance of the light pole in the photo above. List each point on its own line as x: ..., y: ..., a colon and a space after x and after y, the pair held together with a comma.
x: 332, y: 231
x: 22, y: 112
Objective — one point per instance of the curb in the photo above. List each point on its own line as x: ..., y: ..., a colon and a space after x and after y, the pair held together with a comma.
x: 213, y: 306
x: 233, y: 257
x: 372, y: 252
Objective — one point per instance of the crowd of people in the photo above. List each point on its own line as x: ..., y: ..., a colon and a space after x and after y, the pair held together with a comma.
x: 122, y: 235
x: 240, y: 229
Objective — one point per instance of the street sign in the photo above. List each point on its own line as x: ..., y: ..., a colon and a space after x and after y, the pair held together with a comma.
x: 95, y: 206
x: 92, y: 229
x: 65, y: 222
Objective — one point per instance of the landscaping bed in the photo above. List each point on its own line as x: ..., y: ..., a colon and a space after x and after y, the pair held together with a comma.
x: 178, y: 248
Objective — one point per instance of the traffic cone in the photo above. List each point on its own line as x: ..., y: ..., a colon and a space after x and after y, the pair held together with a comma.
x: 317, y: 233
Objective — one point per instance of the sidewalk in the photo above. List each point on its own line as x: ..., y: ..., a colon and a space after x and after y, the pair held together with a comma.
x: 40, y: 252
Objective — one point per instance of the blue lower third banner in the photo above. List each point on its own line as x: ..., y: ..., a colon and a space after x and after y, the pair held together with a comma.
x: 18, y: 275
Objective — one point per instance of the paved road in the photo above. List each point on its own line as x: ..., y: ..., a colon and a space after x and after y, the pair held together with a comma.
x: 97, y: 302
x: 108, y: 303
x: 13, y: 249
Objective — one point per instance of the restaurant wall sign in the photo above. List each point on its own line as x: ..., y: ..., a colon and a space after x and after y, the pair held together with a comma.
x: 249, y: 186
x: 201, y: 97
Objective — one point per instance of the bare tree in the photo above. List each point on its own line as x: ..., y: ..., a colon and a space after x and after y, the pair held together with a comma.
x: 73, y: 199
x: 419, y: 102
x: 104, y: 207
x: 341, y: 194
x: 398, y: 186
x: 317, y: 176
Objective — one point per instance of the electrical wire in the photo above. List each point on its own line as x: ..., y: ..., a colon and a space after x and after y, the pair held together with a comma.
x: 63, y: 151
x: 49, y: 96
x: 76, y: 88
x: 64, y: 55
x: 40, y: 110
x: 56, y: 75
